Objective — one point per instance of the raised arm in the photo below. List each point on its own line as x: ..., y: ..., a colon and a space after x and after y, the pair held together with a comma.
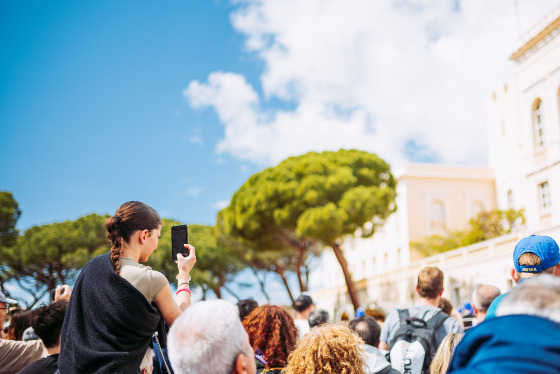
x: 171, y: 309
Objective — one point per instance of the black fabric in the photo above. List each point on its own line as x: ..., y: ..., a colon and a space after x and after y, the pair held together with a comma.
x: 47, y: 365
x: 108, y: 325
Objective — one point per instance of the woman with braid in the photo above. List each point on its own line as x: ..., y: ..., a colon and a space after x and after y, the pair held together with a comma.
x: 118, y: 303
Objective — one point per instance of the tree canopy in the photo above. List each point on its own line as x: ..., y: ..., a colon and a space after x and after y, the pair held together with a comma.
x: 9, y: 215
x: 48, y: 255
x: 218, y: 257
x: 316, y: 198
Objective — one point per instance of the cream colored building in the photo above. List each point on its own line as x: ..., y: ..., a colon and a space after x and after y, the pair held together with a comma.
x: 524, y: 172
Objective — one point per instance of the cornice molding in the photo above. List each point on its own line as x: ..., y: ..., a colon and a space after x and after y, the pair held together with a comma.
x: 531, y: 43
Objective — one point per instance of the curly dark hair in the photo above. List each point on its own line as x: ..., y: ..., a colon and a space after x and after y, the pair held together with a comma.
x: 271, y: 331
x: 47, y: 322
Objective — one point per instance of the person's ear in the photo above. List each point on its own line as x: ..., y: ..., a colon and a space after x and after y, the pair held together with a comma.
x: 143, y: 236
x: 441, y: 292
x: 241, y: 364
x: 514, y: 275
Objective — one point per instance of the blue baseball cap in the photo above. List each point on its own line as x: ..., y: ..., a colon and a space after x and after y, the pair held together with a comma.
x: 543, y: 246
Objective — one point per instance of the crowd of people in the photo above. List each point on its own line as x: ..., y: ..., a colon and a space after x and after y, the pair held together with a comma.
x: 121, y: 317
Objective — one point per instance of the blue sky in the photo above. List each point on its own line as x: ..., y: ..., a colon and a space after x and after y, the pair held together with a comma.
x: 91, y: 111
x: 177, y: 103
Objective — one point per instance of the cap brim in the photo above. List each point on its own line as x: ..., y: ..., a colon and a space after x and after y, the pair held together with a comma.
x: 10, y: 301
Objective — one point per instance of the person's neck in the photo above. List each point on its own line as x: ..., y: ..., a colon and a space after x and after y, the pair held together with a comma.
x: 54, y: 350
x: 302, y: 315
x: 429, y: 302
x: 131, y: 252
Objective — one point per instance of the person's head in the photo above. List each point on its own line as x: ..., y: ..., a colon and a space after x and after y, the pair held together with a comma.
x: 147, y: 364
x: 329, y: 348
x: 445, y: 305
x: 47, y: 322
x: 367, y: 328
x: 539, y: 296
x: 318, y: 317
x: 130, y: 218
x: 377, y: 314
x: 483, y: 296
x: 534, y: 255
x: 246, y: 307
x: 208, y: 338
x: 304, y: 305
x: 272, y: 331
x: 19, y: 322
x: 443, y: 355
x: 4, y: 306
x: 430, y: 283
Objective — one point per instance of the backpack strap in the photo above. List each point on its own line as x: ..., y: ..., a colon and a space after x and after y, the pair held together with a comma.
x: 437, y: 320
x: 403, y: 316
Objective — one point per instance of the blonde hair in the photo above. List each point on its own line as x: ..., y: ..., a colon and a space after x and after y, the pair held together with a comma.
x: 327, y: 349
x: 529, y: 259
x: 443, y: 355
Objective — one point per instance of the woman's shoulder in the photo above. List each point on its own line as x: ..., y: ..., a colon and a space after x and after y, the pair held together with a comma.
x: 131, y: 267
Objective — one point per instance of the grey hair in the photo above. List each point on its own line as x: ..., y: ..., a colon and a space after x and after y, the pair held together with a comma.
x: 483, y: 296
x: 537, y: 296
x: 207, y: 338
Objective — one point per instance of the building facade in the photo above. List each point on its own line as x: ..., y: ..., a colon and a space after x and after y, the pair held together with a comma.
x: 524, y: 173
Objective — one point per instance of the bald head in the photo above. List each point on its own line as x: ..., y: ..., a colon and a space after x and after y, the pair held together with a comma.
x: 484, y: 295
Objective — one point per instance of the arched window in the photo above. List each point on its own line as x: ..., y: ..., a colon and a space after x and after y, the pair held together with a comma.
x: 437, y: 216
x: 510, y: 200
x: 538, y: 123
x: 476, y: 208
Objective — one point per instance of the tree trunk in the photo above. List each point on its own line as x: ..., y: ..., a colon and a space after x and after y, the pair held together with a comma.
x: 302, y: 249
x: 218, y: 292
x: 262, y: 284
x: 347, y: 276
x: 285, y: 280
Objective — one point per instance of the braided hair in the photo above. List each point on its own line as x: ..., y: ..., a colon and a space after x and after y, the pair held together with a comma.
x: 129, y: 218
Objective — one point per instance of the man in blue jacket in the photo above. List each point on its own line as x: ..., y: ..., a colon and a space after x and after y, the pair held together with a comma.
x: 523, y: 339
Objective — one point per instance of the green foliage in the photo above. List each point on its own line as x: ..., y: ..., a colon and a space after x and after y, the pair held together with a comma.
x: 9, y: 215
x: 47, y: 255
x: 310, y: 199
x: 485, y: 226
x: 217, y: 256
x: 349, y: 186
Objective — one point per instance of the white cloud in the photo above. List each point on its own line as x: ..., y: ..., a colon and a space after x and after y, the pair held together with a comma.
x: 372, y: 75
x: 194, y: 191
x: 221, y: 204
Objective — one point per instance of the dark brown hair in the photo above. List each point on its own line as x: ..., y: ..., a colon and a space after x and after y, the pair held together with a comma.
x: 47, y: 322
x: 446, y: 306
x: 19, y: 322
x: 430, y: 282
x: 129, y: 218
x: 271, y: 330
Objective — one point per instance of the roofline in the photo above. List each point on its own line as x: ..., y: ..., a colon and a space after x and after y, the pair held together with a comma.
x: 536, y: 39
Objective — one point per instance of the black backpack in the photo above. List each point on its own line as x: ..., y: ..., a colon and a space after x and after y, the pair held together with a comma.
x: 414, y: 345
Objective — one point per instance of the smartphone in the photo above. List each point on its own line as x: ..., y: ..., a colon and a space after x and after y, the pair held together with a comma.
x: 179, y: 237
